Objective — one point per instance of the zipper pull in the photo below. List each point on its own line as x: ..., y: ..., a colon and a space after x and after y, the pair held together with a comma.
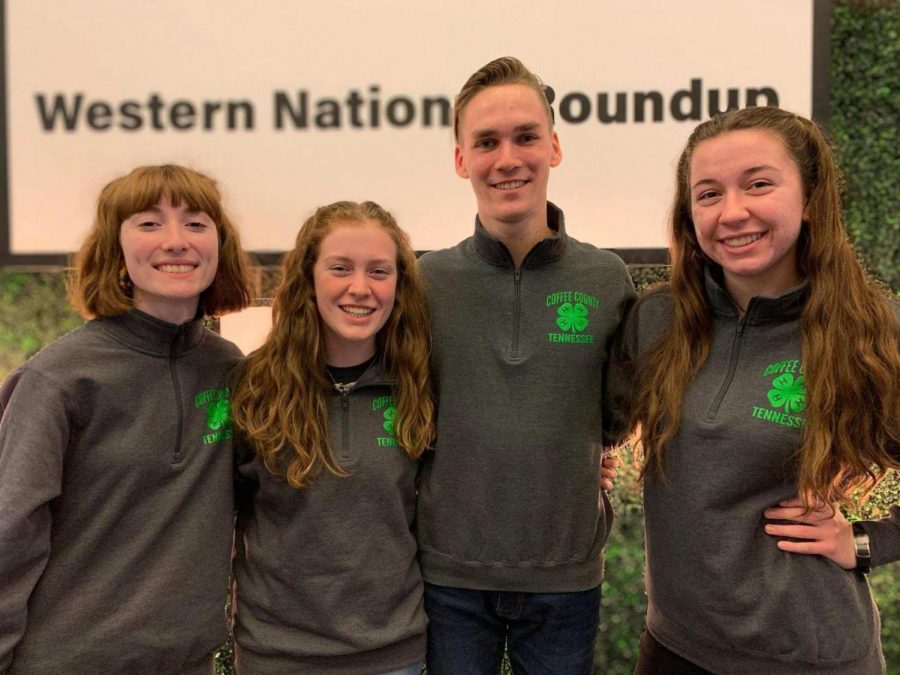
x: 742, y: 321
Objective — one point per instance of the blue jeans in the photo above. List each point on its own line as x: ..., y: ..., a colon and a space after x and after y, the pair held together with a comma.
x: 414, y: 669
x: 544, y: 633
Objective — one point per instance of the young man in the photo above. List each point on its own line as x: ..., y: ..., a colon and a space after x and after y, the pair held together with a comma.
x: 511, y: 520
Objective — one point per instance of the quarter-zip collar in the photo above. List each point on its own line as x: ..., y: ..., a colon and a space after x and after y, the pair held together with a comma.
x: 494, y: 251
x: 149, y: 335
x: 760, y: 309
x: 375, y: 376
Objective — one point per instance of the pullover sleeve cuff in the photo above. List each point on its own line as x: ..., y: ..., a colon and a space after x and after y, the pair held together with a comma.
x: 884, y: 537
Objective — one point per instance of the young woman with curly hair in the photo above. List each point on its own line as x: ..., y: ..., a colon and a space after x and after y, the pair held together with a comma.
x: 333, y: 412
x: 765, y: 377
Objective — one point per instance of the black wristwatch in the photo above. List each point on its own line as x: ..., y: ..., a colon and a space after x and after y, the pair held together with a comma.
x: 863, y: 553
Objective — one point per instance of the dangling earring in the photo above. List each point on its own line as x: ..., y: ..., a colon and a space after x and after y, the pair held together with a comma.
x: 125, y: 282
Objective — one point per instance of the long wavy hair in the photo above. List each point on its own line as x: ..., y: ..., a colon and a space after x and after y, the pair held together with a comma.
x: 281, y: 391
x: 849, y: 332
x: 99, y: 266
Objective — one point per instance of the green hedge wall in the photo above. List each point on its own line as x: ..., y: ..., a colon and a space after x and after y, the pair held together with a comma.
x: 33, y: 313
x: 865, y: 128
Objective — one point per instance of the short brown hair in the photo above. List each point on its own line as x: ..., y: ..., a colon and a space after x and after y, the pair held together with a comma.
x: 94, y: 288
x: 505, y: 70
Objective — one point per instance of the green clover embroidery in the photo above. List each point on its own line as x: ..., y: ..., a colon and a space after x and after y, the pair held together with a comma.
x: 789, y: 393
x: 389, y: 414
x: 218, y: 414
x: 572, y: 317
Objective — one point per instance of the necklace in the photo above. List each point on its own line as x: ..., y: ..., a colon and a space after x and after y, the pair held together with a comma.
x: 353, y: 373
x: 341, y: 388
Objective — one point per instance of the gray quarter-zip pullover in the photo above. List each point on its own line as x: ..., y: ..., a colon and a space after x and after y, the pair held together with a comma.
x: 115, y: 500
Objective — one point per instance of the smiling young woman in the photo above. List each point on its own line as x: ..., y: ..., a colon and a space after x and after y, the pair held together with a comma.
x: 115, y: 445
x: 748, y: 206
x: 332, y: 413
x: 171, y: 255
x: 763, y: 380
x: 355, y: 281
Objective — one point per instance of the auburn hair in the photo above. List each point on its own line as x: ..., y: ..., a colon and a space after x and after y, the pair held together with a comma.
x: 99, y: 266
x: 281, y: 391
x: 849, y: 331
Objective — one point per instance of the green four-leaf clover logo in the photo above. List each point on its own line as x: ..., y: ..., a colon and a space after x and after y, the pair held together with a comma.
x: 389, y: 414
x: 218, y: 414
x: 788, y: 392
x: 572, y: 317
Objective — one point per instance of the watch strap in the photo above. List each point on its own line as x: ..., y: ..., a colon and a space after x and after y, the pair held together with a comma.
x: 863, y: 550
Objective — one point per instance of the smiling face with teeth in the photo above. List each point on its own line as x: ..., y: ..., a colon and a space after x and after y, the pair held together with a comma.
x: 171, y: 254
x: 748, y: 207
x: 355, y: 278
x: 506, y: 148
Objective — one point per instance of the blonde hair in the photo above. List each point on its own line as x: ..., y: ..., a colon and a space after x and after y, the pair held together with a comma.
x: 281, y: 391
x: 94, y: 288
x: 849, y: 333
x: 505, y: 70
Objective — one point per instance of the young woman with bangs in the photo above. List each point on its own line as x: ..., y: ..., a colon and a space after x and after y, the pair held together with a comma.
x: 115, y: 453
x: 763, y: 381
x: 332, y: 413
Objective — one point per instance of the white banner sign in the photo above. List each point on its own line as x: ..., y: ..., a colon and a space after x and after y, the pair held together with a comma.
x: 292, y: 104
